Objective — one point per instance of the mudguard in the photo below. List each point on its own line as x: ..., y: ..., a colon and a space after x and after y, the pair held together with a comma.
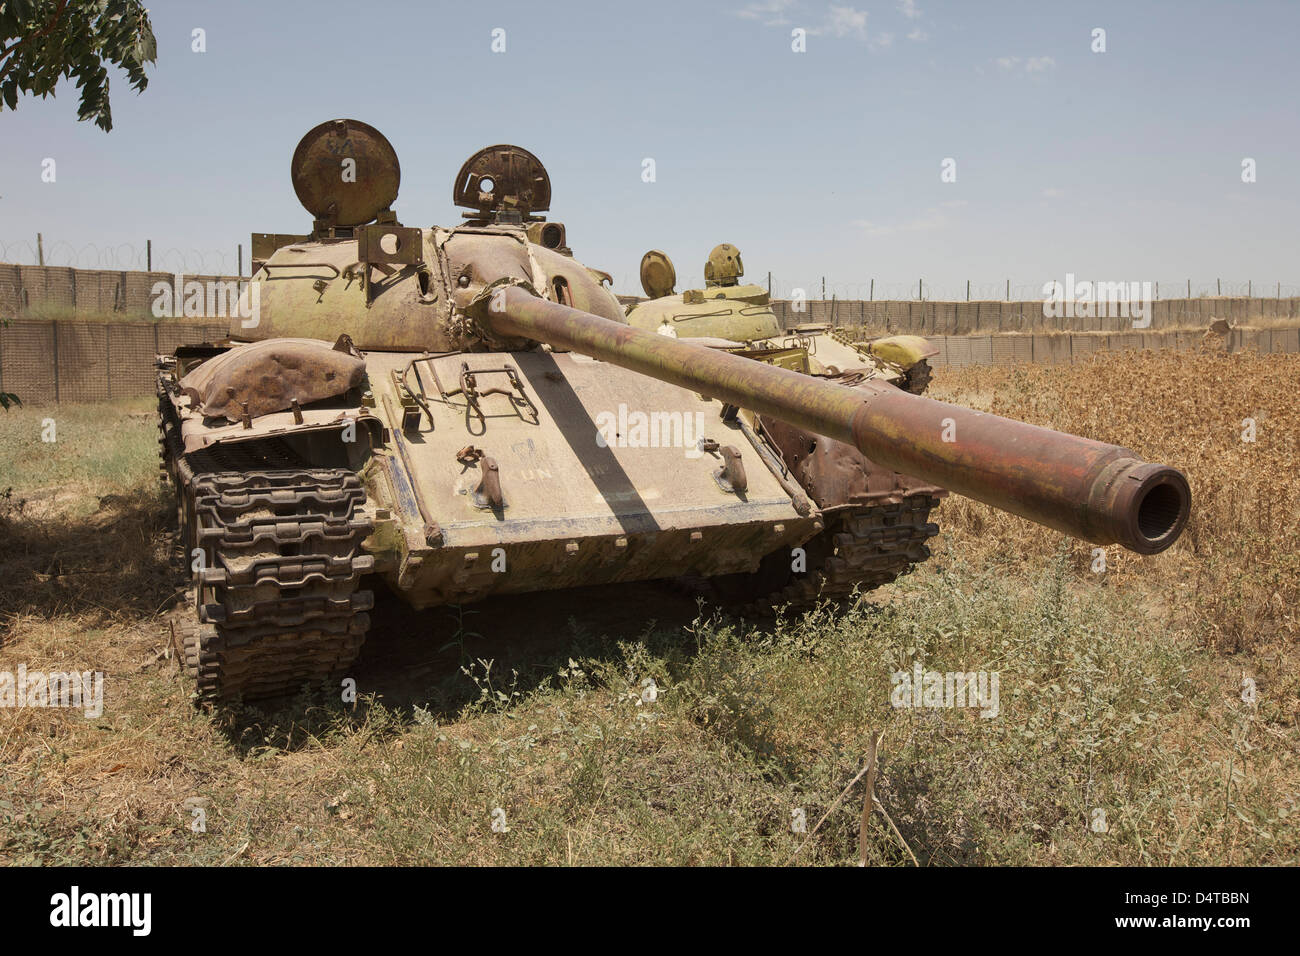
x: 902, y: 350
x: 270, y: 376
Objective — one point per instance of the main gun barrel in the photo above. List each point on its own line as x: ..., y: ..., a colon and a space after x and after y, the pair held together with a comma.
x: 1091, y: 490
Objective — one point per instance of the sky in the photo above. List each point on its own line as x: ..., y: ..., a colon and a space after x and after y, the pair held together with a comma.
x: 1122, y: 165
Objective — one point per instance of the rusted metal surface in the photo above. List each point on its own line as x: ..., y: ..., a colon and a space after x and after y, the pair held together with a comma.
x: 1102, y: 493
x: 835, y: 474
x: 658, y: 277
x: 503, y: 179
x: 724, y: 266
x: 517, y: 393
x: 862, y: 547
x: 732, y: 473
x: 401, y: 311
x: 283, y: 558
x: 345, y: 173
x: 487, y: 494
x: 270, y: 377
x: 384, y: 244
x: 432, y: 533
x: 1099, y: 492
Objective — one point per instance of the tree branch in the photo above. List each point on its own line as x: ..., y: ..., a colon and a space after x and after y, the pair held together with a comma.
x: 44, y: 31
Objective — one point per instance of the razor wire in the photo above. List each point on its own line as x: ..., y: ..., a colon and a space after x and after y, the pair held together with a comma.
x: 132, y: 257
x: 126, y: 257
x: 922, y: 290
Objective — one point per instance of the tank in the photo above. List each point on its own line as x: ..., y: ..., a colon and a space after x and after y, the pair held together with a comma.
x: 466, y: 411
x: 728, y: 314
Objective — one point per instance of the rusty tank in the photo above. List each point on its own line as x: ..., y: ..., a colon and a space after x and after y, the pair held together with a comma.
x: 466, y: 411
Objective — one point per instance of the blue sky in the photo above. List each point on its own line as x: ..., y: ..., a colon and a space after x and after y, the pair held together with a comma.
x: 1122, y: 165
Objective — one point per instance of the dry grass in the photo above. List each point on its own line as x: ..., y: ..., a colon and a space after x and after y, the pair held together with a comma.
x: 1120, y: 692
x: 1236, y: 570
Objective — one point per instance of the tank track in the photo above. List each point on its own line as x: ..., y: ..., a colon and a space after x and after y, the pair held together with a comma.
x: 277, y: 603
x: 861, y: 548
x: 871, y: 545
x: 917, y: 378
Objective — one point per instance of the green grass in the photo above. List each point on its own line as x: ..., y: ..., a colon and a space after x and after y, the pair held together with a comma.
x: 1098, y: 711
x: 98, y: 449
x: 1104, y: 706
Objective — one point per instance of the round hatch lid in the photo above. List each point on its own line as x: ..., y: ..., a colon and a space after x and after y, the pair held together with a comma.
x: 658, y: 277
x: 503, y: 178
x: 345, y: 172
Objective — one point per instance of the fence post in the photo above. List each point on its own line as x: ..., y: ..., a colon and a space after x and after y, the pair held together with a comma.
x: 148, y: 255
x: 1218, y: 287
x: 872, y: 294
x: 769, y: 283
x: 968, y: 290
x: 1189, y: 288
x: 40, y: 250
x: 1008, y: 290
x: 240, y: 273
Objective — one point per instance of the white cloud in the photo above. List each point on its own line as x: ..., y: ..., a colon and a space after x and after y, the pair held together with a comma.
x: 1034, y: 64
x: 932, y: 220
x: 769, y: 11
x: 846, y: 21
x: 838, y: 21
x: 908, y: 9
x: 918, y: 35
x: 1052, y: 193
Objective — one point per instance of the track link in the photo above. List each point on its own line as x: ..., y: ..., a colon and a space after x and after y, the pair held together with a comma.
x: 870, y: 546
x: 862, y: 547
x: 276, y: 602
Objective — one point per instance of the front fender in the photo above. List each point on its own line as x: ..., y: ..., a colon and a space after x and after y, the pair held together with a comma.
x: 902, y: 350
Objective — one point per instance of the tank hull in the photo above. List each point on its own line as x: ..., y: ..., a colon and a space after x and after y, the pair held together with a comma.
x: 605, y: 483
